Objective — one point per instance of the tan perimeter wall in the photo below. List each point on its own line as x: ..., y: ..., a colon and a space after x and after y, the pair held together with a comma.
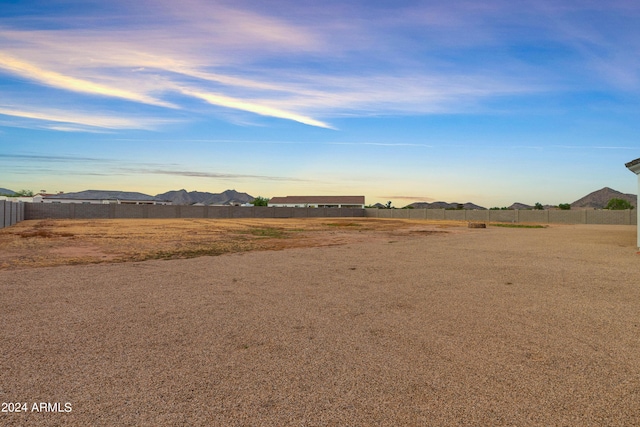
x: 19, y: 211
x: 11, y: 212
x: 599, y: 216
x: 87, y: 211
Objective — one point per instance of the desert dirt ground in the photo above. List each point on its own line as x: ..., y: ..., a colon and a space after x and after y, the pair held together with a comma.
x: 316, y: 322
x: 46, y: 243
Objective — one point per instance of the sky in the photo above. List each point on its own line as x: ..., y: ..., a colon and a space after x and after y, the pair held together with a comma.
x: 490, y: 102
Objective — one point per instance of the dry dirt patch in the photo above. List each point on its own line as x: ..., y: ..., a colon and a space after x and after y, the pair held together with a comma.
x: 500, y: 326
x: 41, y: 243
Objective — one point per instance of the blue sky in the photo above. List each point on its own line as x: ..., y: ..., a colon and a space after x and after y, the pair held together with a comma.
x: 491, y: 102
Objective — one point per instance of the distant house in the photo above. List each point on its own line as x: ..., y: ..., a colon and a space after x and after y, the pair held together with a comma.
x: 23, y: 199
x: 634, y: 166
x: 317, y: 202
x: 91, y: 197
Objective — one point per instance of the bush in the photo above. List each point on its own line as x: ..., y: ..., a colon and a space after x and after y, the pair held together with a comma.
x: 260, y: 201
x: 618, y: 204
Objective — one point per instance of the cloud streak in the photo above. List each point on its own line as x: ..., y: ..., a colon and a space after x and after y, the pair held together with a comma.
x: 83, y: 120
x: 253, y: 107
x: 311, y: 65
x: 215, y: 175
x: 52, y: 78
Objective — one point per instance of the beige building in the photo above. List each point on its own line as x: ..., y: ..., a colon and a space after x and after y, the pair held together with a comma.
x: 318, y: 202
x: 634, y: 166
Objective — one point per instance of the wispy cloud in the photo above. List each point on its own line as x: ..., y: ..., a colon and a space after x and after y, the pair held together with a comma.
x: 383, y: 144
x: 216, y: 175
x: 253, y: 107
x: 84, y: 120
x: 58, y: 80
x: 51, y: 158
x: 313, y: 64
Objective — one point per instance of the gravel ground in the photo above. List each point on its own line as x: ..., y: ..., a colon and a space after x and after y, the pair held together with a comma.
x: 483, y: 327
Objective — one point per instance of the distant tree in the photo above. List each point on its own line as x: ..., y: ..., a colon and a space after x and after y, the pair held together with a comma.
x: 23, y: 193
x: 388, y: 205
x: 618, y: 204
x: 564, y: 206
x: 495, y: 208
x: 538, y: 206
x: 260, y: 201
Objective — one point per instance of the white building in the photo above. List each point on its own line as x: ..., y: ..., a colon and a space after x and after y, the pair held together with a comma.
x: 23, y: 199
x: 318, y: 202
x: 91, y: 197
x: 634, y: 166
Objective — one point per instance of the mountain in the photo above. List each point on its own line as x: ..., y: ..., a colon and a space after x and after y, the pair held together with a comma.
x: 6, y: 192
x: 445, y: 205
x: 599, y: 199
x: 596, y: 200
x: 520, y: 206
x: 228, y: 197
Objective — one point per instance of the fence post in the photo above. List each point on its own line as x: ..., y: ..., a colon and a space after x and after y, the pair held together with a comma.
x: 7, y: 213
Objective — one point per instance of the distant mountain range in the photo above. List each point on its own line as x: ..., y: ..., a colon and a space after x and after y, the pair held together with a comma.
x: 228, y: 197
x: 596, y: 200
x: 7, y: 192
x: 599, y: 199
x: 445, y: 205
x: 179, y: 197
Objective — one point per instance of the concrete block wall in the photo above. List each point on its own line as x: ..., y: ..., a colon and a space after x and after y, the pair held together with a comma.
x: 600, y: 216
x: 477, y: 215
x: 91, y: 211
x: 262, y: 212
x: 161, y: 212
x: 568, y: 217
x: 128, y: 211
x: 540, y: 216
x: 315, y: 213
x: 11, y: 213
x: 242, y: 211
x: 609, y: 217
x: 94, y: 211
x: 435, y: 214
x: 192, y: 212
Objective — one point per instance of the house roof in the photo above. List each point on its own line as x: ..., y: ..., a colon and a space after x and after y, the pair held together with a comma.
x: 634, y: 165
x: 633, y: 162
x: 104, y: 195
x: 319, y: 200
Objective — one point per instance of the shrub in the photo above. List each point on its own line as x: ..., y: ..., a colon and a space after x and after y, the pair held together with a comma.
x: 618, y: 204
x: 260, y: 201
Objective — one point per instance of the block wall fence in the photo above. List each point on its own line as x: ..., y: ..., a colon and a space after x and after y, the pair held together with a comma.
x: 90, y: 211
x: 596, y: 216
x: 11, y: 213
x: 87, y: 211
